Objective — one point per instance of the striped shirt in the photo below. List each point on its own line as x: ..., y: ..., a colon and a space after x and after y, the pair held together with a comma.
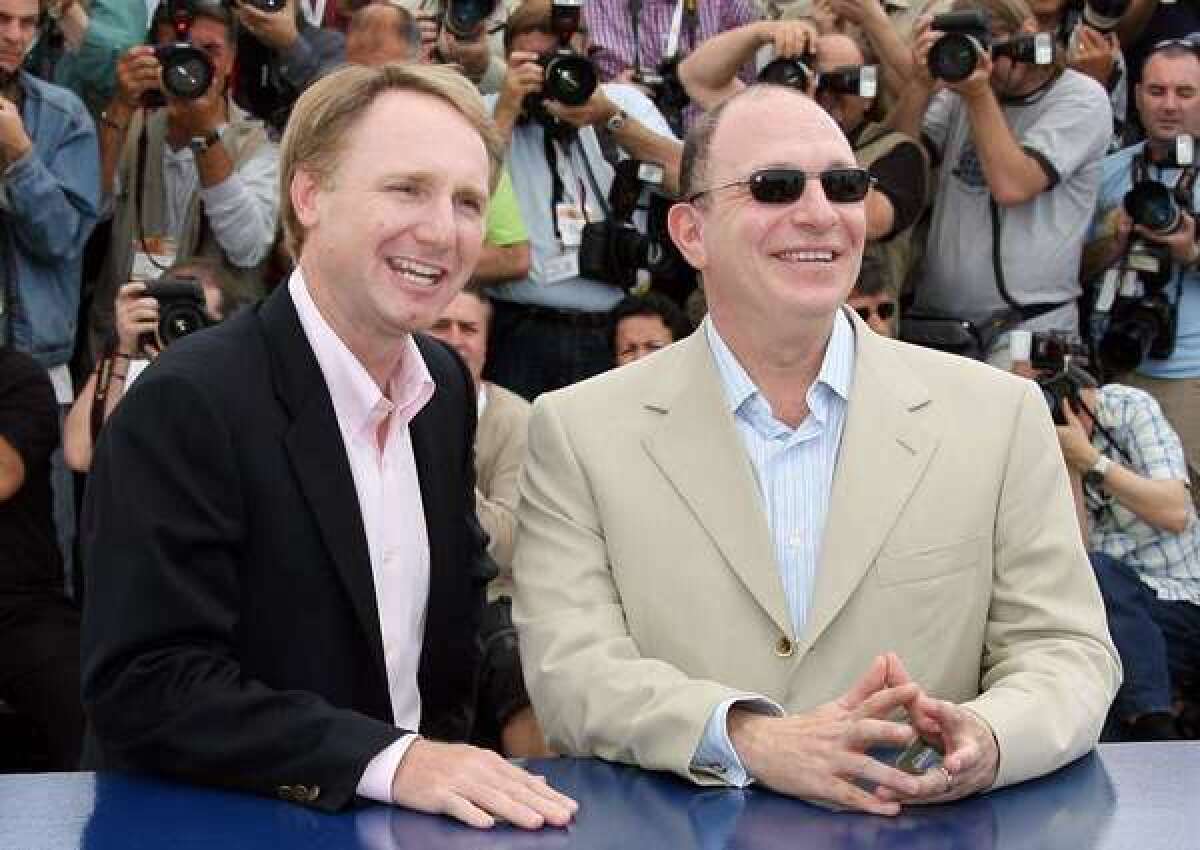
x: 610, y: 30
x: 1167, y: 563
x: 793, y: 466
x: 794, y: 470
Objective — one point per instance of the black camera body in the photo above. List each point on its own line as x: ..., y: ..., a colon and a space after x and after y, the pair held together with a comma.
x: 1028, y: 48
x: 187, y: 72
x: 795, y: 72
x: 614, y: 250
x: 569, y: 78
x: 1104, y: 15
x: 463, y: 17
x: 857, y: 80
x: 1152, y: 205
x: 1051, y: 354
x: 1063, y: 385
x: 953, y: 57
x: 667, y: 91
x: 181, y: 309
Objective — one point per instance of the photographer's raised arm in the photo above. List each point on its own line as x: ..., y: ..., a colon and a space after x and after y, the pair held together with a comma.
x: 137, y: 73
x: 524, y: 77
x: 1013, y: 176
x: 1163, y: 503
x: 1134, y: 21
x: 632, y: 135
x: 709, y: 73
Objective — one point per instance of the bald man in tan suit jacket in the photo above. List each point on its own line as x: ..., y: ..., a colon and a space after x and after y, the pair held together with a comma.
x: 648, y: 590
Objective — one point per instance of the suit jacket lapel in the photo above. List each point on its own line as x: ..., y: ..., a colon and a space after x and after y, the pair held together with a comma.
x: 884, y: 452
x: 318, y: 457
x: 706, y: 462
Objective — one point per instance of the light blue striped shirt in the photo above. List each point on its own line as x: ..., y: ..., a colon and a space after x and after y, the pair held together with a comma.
x: 794, y: 470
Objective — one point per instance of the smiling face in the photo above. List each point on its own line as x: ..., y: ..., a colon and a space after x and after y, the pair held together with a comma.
x: 769, y: 266
x: 394, y: 233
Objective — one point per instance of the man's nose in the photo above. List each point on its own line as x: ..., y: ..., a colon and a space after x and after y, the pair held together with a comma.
x: 813, y: 207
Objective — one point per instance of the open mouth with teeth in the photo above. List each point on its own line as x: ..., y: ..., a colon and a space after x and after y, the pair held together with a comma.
x: 420, y: 274
x: 821, y: 256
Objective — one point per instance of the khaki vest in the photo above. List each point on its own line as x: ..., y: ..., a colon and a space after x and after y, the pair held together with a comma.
x: 898, y: 254
x: 242, y: 138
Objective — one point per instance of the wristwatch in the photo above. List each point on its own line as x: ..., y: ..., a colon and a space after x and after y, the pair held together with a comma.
x: 200, y: 144
x: 617, y: 121
x: 1094, y: 477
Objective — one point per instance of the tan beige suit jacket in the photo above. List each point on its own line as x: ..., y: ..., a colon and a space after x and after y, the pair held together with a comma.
x: 648, y: 592
x: 499, y: 453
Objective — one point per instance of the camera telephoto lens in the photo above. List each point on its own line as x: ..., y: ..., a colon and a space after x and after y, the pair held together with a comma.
x: 1140, y: 329
x: 180, y: 307
x: 786, y: 72
x: 1150, y: 204
x: 1104, y: 15
x: 187, y: 72
x: 570, y: 78
x: 463, y: 17
x: 953, y: 57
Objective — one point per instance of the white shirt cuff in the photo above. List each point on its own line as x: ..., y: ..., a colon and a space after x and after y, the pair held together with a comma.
x: 715, y: 754
x: 376, y: 782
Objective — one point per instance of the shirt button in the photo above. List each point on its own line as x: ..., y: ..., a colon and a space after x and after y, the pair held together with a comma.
x: 784, y: 647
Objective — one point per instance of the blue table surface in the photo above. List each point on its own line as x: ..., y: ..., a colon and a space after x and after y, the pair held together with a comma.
x: 1127, y: 796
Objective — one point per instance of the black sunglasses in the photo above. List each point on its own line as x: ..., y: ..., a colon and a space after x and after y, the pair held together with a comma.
x: 785, y: 185
x: 885, y: 310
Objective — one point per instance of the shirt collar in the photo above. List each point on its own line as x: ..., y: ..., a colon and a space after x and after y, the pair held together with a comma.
x: 837, y: 368
x: 357, y: 399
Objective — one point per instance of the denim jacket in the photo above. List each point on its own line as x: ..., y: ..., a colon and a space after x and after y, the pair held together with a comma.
x: 53, y: 199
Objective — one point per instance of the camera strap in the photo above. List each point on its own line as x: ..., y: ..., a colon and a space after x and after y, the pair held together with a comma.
x: 601, y: 198
x: 1025, y: 312
x: 683, y: 9
x: 139, y: 191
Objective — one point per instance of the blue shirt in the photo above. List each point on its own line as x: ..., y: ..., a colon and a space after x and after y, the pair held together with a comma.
x: 1116, y: 179
x: 794, y: 470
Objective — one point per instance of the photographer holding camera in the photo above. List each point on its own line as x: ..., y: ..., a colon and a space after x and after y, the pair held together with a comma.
x: 1130, y: 482
x: 197, y: 177
x: 565, y: 132
x: 279, y: 54
x: 198, y: 292
x: 643, y: 41
x: 1154, y: 327
x: 1019, y: 138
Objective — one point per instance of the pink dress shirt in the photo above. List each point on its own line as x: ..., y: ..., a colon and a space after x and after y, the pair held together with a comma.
x: 374, y: 428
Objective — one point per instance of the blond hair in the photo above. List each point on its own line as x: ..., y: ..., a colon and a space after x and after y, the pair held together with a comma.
x: 331, y: 108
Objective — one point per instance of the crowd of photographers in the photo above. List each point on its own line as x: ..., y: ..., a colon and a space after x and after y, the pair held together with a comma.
x: 1030, y: 196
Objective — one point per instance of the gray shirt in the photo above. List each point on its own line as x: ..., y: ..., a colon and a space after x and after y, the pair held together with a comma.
x: 1067, y: 127
x: 534, y: 189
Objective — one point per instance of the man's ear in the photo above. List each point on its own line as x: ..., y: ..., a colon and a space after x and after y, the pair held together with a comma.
x: 686, y: 226
x: 304, y: 193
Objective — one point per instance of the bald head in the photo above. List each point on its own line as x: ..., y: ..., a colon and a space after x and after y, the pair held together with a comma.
x: 380, y: 33
x: 836, y: 51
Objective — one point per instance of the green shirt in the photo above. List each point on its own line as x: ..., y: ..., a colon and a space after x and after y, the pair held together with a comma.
x: 504, y: 223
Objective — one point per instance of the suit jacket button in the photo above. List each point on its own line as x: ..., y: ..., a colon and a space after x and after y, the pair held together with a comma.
x: 784, y: 647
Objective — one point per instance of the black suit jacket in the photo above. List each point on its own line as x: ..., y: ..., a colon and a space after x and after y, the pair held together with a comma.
x: 231, y: 634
